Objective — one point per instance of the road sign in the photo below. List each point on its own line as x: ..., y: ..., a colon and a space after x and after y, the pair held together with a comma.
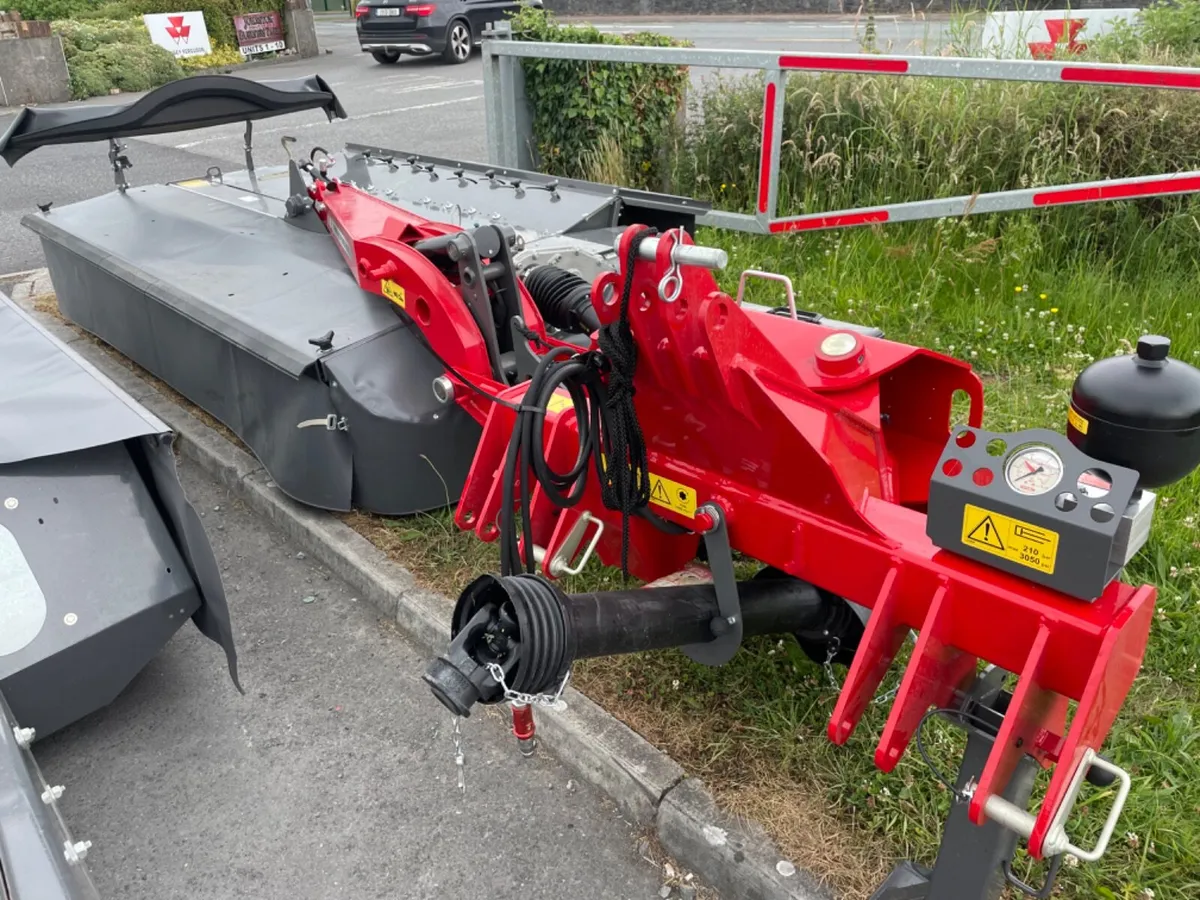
x: 1038, y: 34
x: 181, y: 33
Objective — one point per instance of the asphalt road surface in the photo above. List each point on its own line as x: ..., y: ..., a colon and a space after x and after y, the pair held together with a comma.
x: 419, y: 105
x: 332, y: 777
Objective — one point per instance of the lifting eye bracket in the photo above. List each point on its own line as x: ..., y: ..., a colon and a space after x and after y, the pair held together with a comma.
x: 727, y: 624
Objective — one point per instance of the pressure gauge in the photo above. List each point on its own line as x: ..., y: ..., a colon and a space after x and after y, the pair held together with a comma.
x: 1033, y: 470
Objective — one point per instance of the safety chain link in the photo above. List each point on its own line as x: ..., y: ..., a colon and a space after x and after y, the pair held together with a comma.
x: 550, y: 701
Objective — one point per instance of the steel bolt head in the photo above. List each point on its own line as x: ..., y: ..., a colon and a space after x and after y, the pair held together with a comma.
x: 76, y: 852
x: 24, y: 737
x: 50, y: 794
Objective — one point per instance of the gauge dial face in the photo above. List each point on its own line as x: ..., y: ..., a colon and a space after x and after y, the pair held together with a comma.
x: 1033, y: 470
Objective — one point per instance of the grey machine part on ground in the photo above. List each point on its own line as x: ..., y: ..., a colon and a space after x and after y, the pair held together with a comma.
x: 39, y: 858
x: 223, y: 288
x: 102, y: 559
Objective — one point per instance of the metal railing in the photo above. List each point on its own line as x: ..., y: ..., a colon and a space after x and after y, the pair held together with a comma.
x: 510, y: 130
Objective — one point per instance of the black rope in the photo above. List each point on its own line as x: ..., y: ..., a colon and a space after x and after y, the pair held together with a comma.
x: 624, y: 469
x: 600, y: 385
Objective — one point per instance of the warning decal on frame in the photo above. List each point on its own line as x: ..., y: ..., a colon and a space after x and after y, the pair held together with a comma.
x: 1022, y: 543
x: 679, y: 498
x: 1077, y: 421
x: 393, y: 292
x: 559, y: 402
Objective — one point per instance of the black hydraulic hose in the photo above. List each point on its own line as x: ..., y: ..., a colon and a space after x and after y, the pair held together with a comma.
x: 563, y: 298
x: 609, y: 433
x: 580, y: 375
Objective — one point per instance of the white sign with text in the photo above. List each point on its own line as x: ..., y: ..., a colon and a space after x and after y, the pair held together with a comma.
x: 1038, y: 34
x: 182, y: 33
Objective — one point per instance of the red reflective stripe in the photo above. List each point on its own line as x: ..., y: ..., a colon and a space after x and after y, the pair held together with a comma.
x: 1118, y: 191
x: 809, y: 223
x: 836, y: 64
x: 768, y: 144
x: 1140, y: 79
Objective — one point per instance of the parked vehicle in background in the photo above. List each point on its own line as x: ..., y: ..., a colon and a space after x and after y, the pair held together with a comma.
x: 389, y: 29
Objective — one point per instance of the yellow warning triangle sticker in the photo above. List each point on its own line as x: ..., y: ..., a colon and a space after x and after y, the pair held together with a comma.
x: 659, y: 494
x: 986, y: 533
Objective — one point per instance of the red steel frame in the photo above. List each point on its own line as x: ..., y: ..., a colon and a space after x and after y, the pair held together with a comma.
x: 822, y: 469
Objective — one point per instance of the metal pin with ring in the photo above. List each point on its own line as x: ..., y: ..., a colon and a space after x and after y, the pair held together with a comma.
x: 671, y: 285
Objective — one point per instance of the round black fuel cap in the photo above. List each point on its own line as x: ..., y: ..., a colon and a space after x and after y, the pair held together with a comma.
x: 1140, y: 411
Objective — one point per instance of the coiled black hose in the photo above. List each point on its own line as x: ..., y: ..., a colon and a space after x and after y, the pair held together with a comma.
x: 609, y: 434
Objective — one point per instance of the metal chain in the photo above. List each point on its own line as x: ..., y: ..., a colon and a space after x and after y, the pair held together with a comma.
x: 456, y: 735
x: 552, y: 701
x: 886, y: 696
x: 835, y: 644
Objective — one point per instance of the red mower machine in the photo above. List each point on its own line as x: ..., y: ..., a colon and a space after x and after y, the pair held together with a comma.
x: 642, y: 416
x: 649, y: 415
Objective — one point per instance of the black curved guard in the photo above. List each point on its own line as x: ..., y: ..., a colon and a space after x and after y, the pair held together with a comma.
x: 201, y: 101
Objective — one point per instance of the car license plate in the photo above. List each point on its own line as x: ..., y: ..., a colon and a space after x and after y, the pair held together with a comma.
x: 387, y: 11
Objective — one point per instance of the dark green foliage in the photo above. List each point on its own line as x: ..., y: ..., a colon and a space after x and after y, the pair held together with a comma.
x: 577, y: 105
x: 218, y: 14
x: 106, y: 55
x: 107, y: 46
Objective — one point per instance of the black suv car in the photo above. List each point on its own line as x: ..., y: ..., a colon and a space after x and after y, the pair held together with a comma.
x: 389, y: 28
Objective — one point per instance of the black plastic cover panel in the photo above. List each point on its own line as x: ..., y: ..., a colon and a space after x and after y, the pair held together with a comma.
x: 201, y: 101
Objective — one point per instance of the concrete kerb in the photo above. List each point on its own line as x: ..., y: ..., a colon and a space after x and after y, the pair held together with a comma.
x: 650, y: 788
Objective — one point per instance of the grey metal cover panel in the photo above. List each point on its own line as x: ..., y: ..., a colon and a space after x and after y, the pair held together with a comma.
x: 53, y: 402
x: 441, y: 196
x: 78, y: 437
x: 220, y: 265
x: 95, y: 584
x: 33, y: 836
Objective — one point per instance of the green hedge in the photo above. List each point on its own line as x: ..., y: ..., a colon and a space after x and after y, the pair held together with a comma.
x: 105, y: 55
x: 591, y: 117
x: 108, y: 48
